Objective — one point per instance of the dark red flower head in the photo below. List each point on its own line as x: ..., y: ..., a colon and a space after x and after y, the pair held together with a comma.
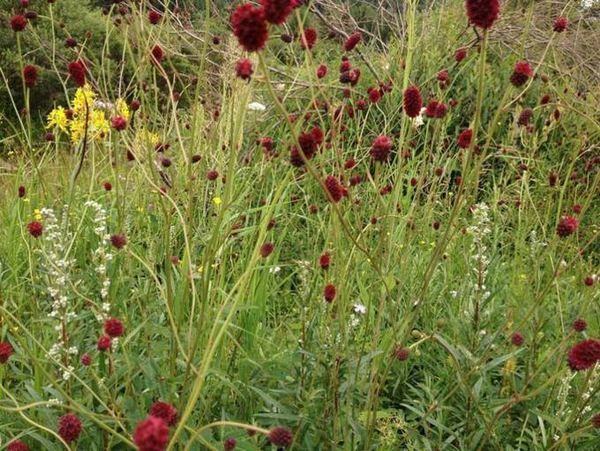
x: 321, y: 71
x: 277, y: 11
x: 521, y: 73
x: 308, y: 38
x: 151, y: 434
x: 243, y: 69
x: 525, y: 117
x: 86, y: 359
x: 69, y: 427
x: 334, y: 188
x: 113, y: 327
x: 352, y: 41
x: 119, y: 123
x: 229, y: 444
x: 401, y: 353
x: 22, y: 191
x: 584, y: 355
x: 35, y: 229
x: 266, y: 249
x: 325, y: 260
x: 157, y: 54
x: 464, y: 139
x: 18, y: 23
x: 412, y: 101
x: 517, y: 338
x: 154, y: 16
x: 17, y: 445
x: 118, y: 241
x: 30, y: 74
x: 482, y: 13
x: 104, y: 343
x: 164, y: 411
x: 381, y: 148
x: 596, y: 421
x: 249, y: 27
x: 567, y: 226
x: 77, y: 72
x: 281, y: 437
x: 460, y: 55
x: 560, y: 24
x: 6, y: 351
x: 579, y: 325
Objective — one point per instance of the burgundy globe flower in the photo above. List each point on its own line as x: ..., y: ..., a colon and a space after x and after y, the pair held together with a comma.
x: 30, y: 74
x: 381, y: 148
x: 266, y: 249
x: 107, y: 186
x: 596, y: 421
x: 35, y: 229
x: 431, y: 108
x: 69, y: 427
x: 374, y: 95
x: 584, y: 355
x: 104, y: 343
x: 464, y: 139
x: 249, y: 27
x: 567, y: 226
x: 243, y: 69
x: 154, y: 16
x: 70, y: 43
x: 118, y: 241
x: 352, y: 41
x: 229, y: 444
x: 308, y: 38
x: 164, y: 411
x: 77, y: 72
x: 277, y: 11
x: 212, y: 175
x: 560, y: 24
x: 113, y: 327
x: 322, y: 71
x: 401, y: 353
x: 460, y: 55
x: 151, y: 434
x: 17, y: 445
x: 281, y: 437
x: 517, y: 338
x: 334, y: 188
x: 525, y: 117
x: 521, y: 73
x: 119, y: 123
x: 135, y: 105
x: 412, y: 101
x: 441, y: 110
x: 325, y: 260
x: 589, y: 280
x: 18, y: 23
x: 86, y: 359
x: 482, y: 13
x: 22, y: 191
x: 6, y: 351
x: 329, y: 292
x: 579, y: 325
x: 157, y: 54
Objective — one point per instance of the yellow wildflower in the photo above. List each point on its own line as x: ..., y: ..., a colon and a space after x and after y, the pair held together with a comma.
x: 58, y: 118
x: 37, y: 215
x: 123, y: 109
x: 83, y: 96
x: 217, y: 200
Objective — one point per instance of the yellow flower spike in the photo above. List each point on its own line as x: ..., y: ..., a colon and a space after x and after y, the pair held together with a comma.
x: 217, y: 201
x: 123, y: 108
x: 58, y: 118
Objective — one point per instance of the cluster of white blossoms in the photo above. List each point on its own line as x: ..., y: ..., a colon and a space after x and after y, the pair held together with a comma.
x: 480, y: 231
x: 58, y: 269
x: 102, y: 256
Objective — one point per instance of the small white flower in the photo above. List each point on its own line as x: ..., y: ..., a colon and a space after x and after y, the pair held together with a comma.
x: 360, y: 309
x: 274, y: 269
x: 255, y: 106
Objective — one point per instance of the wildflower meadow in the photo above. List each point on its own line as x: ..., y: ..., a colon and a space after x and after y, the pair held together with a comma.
x: 299, y: 224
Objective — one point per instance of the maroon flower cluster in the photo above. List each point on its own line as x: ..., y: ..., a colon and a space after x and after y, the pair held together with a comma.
x: 243, y: 69
x: 308, y: 38
x: 381, y: 148
x: 77, y: 72
x: 567, y: 226
x: 412, y: 101
x: 309, y: 144
x: 482, y: 13
x: 6, y: 351
x: 352, y: 41
x: 464, y: 139
x: 560, y: 24
x: 69, y: 427
x: 436, y: 109
x: 250, y: 27
x: 151, y: 434
x: 521, y: 73
x: 30, y: 74
x: 17, y: 445
x: 584, y: 355
x: 18, y: 23
x: 277, y: 11
x: 281, y: 437
x: 334, y: 188
x: 165, y: 412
